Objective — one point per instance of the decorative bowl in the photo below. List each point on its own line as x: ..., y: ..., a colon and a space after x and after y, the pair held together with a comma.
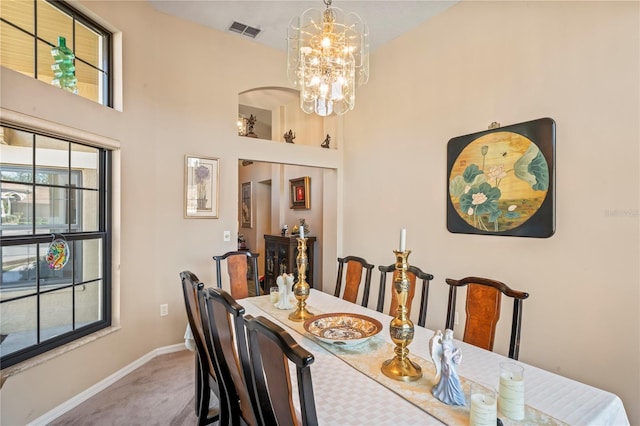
x: 343, y: 329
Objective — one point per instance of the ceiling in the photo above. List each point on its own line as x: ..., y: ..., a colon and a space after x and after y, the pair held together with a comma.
x: 386, y: 19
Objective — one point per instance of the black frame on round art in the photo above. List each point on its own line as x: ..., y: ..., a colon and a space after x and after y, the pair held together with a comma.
x: 501, y: 181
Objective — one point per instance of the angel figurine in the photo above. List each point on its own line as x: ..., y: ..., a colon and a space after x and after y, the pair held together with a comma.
x: 445, y: 357
x: 285, y: 284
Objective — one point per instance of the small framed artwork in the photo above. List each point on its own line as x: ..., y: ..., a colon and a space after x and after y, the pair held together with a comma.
x: 300, y: 195
x: 501, y: 181
x: 201, y: 182
x: 246, y: 213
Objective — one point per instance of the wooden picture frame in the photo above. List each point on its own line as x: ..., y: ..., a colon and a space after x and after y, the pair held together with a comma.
x: 201, y: 187
x: 246, y: 213
x: 300, y: 198
x: 501, y: 181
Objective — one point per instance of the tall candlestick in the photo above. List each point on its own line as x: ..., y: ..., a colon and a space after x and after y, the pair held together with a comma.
x: 403, y: 239
x: 301, y: 289
x: 401, y: 328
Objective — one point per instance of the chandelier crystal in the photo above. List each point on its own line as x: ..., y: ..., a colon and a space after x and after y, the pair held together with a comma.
x: 328, y: 57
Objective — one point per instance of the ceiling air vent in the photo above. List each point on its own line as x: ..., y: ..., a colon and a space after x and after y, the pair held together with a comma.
x: 243, y: 29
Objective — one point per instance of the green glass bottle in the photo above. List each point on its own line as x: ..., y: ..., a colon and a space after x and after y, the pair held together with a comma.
x: 63, y: 69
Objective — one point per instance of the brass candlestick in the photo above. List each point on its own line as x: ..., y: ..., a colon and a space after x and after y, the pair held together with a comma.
x: 401, y: 328
x: 301, y: 288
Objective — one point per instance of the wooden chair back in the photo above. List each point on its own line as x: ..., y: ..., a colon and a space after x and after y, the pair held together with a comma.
x: 414, y: 273
x: 483, y: 311
x: 270, y: 349
x: 237, y: 268
x: 353, y: 279
x: 205, y: 371
x: 224, y: 330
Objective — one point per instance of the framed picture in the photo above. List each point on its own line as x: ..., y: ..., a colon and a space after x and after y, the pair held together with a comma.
x: 246, y: 214
x: 201, y: 182
x: 502, y: 181
x: 300, y: 195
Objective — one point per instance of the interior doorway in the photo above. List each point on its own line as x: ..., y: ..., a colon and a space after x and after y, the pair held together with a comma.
x: 271, y: 209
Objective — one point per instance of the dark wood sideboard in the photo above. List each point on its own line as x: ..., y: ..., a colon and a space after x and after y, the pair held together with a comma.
x: 280, y: 257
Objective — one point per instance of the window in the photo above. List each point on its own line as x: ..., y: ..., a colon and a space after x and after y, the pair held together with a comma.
x: 52, y: 189
x: 29, y: 29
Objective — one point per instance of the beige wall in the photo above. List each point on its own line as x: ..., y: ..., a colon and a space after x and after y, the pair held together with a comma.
x: 479, y: 62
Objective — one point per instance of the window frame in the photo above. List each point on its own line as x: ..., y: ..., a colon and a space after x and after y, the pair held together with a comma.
x: 77, y: 17
x: 104, y: 232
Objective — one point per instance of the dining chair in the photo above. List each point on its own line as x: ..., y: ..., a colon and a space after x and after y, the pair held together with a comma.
x: 353, y: 279
x: 483, y: 311
x: 239, y: 264
x: 225, y: 336
x: 205, y: 371
x: 413, y: 273
x: 270, y: 350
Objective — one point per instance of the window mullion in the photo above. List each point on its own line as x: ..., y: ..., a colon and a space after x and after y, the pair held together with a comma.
x: 38, y: 296
x: 68, y: 200
x: 33, y: 184
x: 35, y: 39
x: 68, y: 215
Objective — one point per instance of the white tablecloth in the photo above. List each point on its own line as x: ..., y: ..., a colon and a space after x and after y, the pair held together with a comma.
x: 344, y: 396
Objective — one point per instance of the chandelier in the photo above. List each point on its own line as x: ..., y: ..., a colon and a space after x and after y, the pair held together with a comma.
x: 328, y: 57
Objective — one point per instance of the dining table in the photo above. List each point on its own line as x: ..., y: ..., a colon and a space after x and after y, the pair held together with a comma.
x: 350, y: 389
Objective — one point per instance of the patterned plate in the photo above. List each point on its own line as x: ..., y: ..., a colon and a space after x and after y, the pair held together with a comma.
x: 343, y: 329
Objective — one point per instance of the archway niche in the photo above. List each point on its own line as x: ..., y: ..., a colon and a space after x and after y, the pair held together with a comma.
x: 269, y: 113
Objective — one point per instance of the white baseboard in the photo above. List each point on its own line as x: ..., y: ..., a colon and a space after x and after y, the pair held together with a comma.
x: 103, y: 384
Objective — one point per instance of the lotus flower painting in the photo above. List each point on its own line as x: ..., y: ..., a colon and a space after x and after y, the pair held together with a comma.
x: 501, y: 181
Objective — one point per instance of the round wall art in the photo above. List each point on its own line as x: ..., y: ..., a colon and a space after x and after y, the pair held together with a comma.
x: 501, y: 181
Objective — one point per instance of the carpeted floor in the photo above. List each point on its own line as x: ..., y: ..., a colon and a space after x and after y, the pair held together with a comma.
x: 161, y: 392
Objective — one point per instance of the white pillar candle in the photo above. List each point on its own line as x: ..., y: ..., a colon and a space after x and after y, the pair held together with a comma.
x: 301, y: 231
x: 273, y: 295
x: 484, y: 410
x: 403, y: 239
x: 511, y: 399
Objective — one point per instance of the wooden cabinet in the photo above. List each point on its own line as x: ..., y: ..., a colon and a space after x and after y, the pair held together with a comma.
x: 280, y: 257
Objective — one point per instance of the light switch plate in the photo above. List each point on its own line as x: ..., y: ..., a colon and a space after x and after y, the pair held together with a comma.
x: 226, y: 236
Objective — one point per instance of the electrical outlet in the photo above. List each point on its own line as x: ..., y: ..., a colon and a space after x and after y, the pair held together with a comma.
x: 456, y: 320
x: 164, y: 310
x: 226, y: 236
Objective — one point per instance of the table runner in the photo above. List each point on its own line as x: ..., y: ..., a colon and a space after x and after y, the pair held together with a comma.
x: 418, y: 392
